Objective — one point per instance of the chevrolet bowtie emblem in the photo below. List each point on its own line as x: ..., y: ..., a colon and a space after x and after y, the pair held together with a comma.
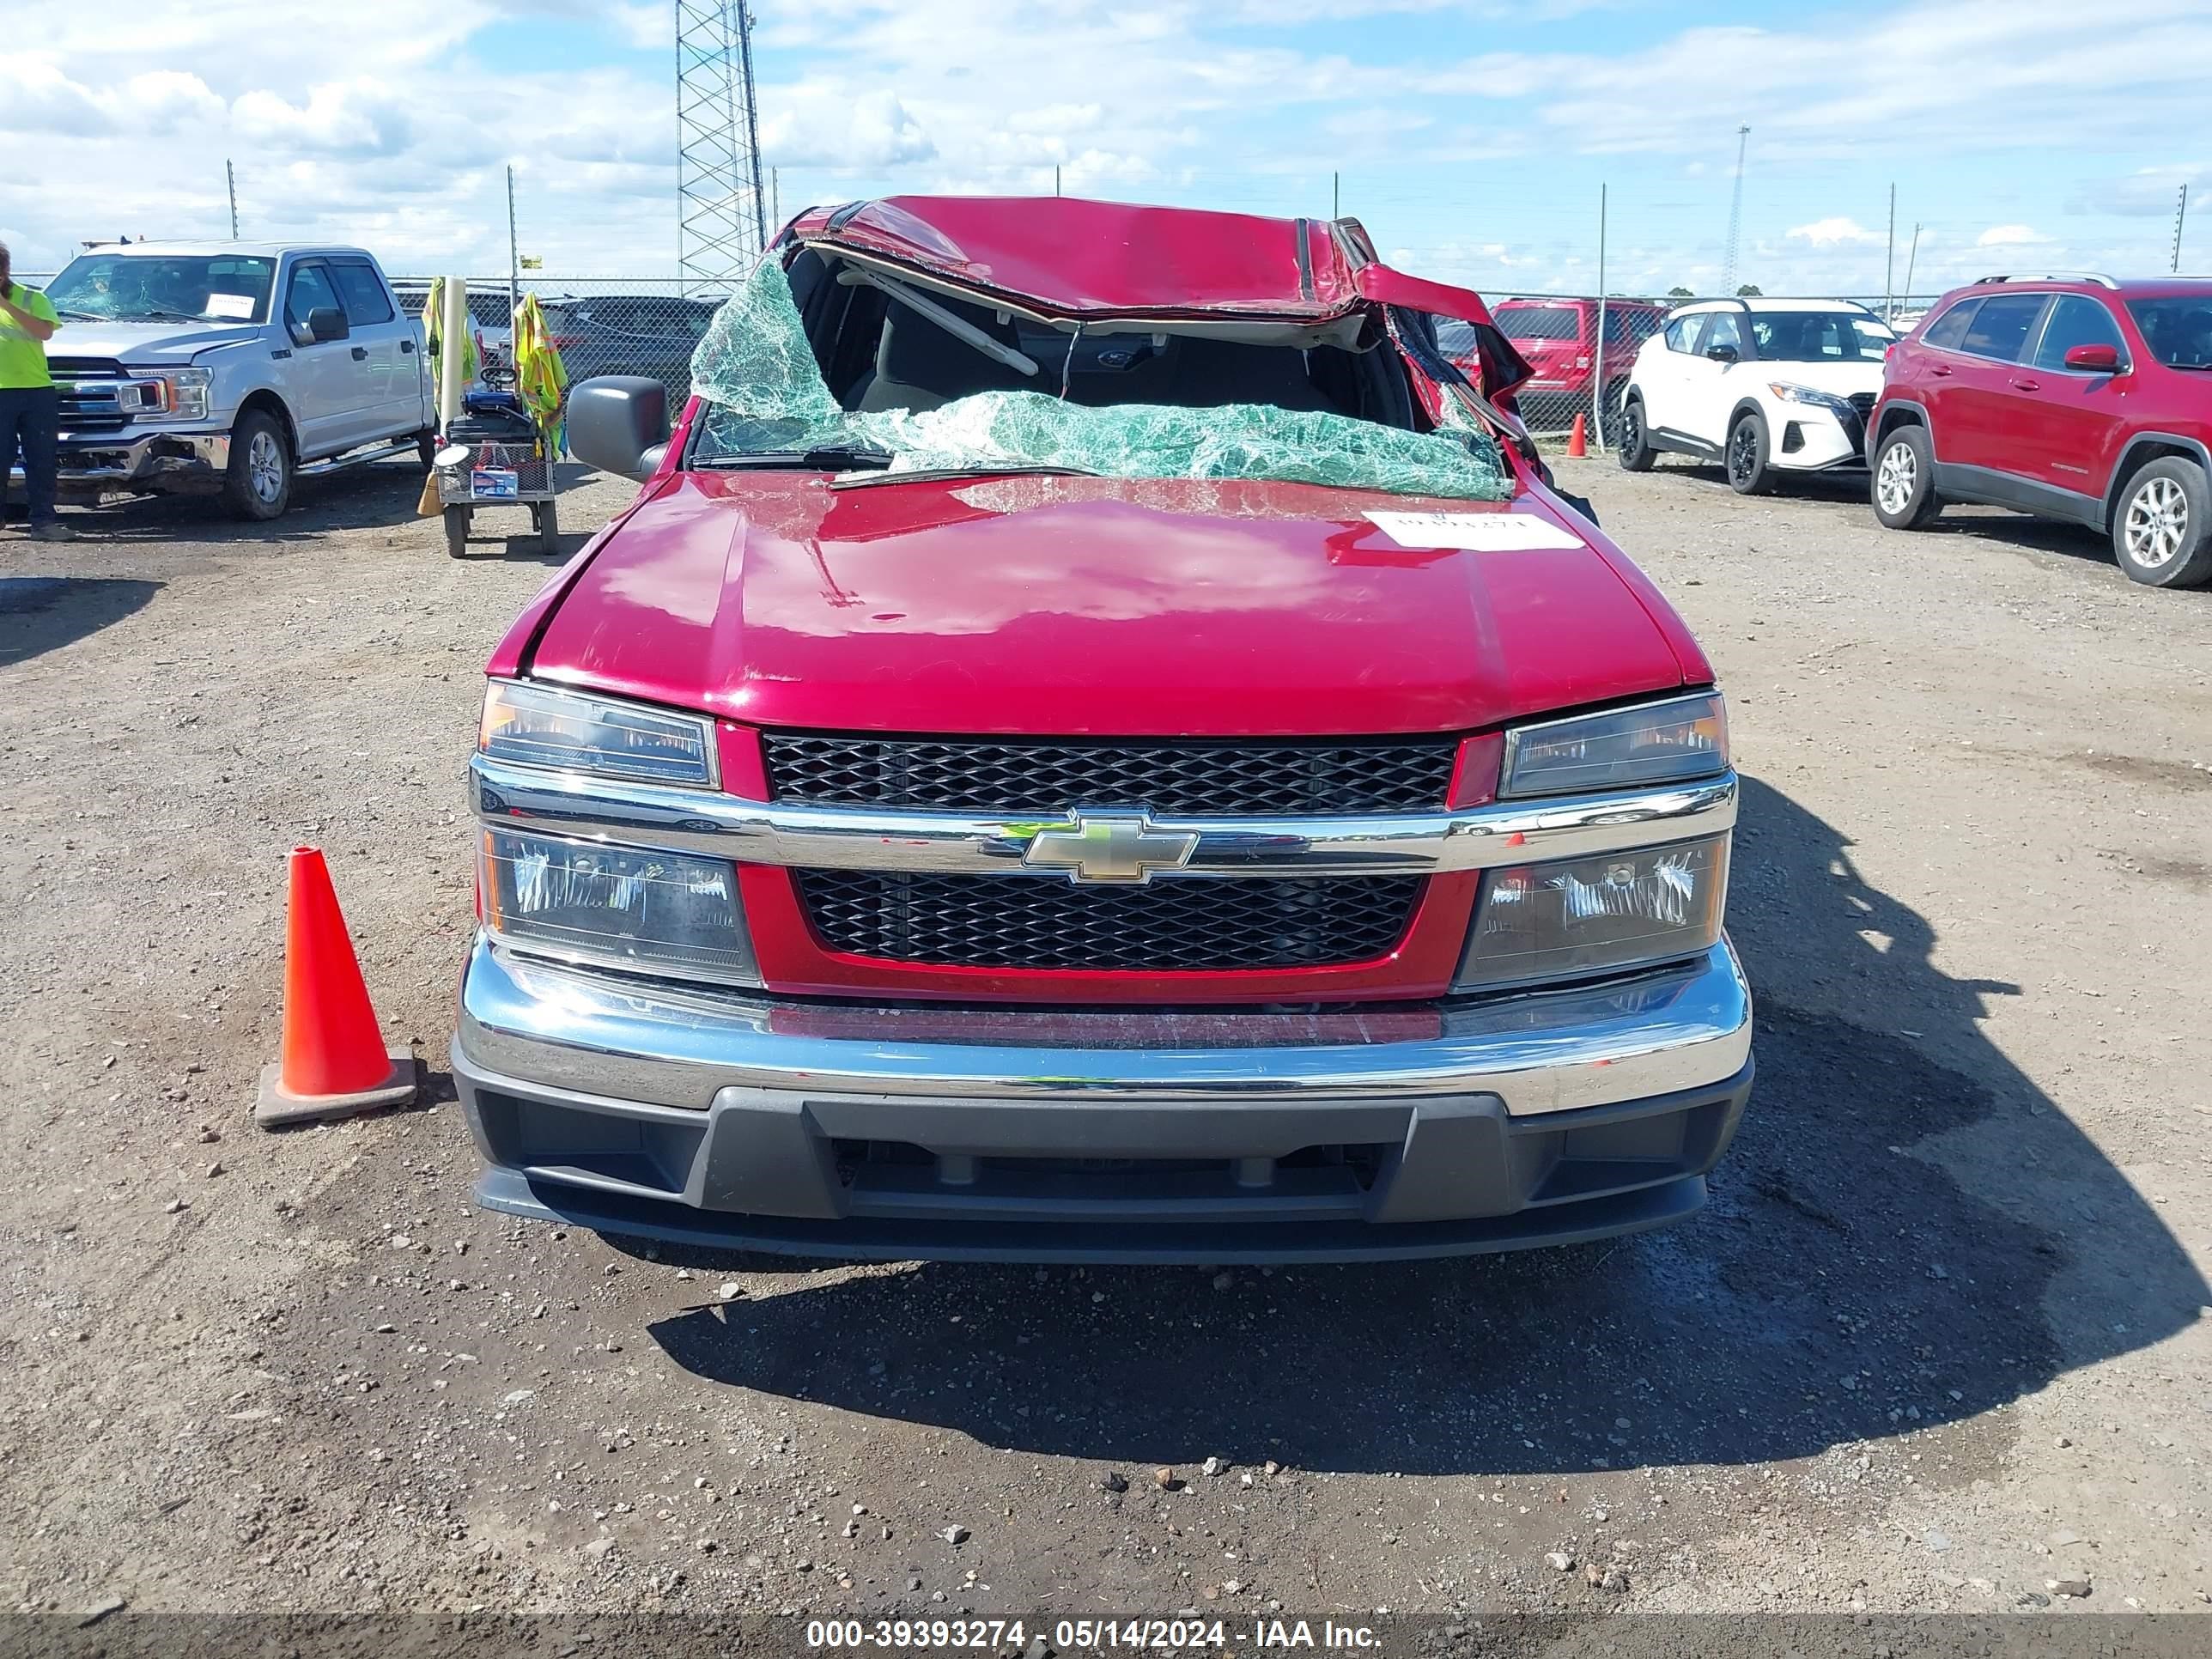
x: 1104, y: 847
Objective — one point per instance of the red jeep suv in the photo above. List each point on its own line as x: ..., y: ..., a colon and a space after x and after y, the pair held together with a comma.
x: 2072, y: 397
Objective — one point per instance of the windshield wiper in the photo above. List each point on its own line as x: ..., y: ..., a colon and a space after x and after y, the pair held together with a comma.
x: 83, y: 316
x: 827, y: 457
x: 980, y: 470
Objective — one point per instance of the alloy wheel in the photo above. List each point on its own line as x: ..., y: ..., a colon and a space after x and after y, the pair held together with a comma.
x: 2158, y: 522
x: 1894, y: 483
x: 1743, y: 452
x: 264, y: 466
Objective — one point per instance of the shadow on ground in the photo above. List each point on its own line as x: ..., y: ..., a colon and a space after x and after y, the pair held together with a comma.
x: 379, y: 493
x: 2017, y: 531
x: 39, y: 614
x: 1841, y: 1285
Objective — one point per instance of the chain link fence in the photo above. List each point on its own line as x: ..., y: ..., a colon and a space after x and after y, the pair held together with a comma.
x: 600, y: 324
x: 1582, y: 371
x: 648, y: 326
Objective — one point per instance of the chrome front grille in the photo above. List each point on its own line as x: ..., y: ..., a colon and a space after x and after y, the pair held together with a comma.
x: 90, y: 392
x: 1039, y: 922
x: 1350, y: 775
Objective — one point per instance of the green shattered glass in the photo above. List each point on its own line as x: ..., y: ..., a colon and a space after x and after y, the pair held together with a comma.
x: 754, y: 365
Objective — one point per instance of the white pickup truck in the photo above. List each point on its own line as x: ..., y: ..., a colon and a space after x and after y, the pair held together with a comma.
x: 232, y: 368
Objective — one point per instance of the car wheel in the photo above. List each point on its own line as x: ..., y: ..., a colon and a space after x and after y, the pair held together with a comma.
x: 457, y: 532
x: 1904, y: 480
x: 1636, y: 451
x: 256, y: 485
x: 1605, y: 418
x: 1747, y: 456
x: 2162, y: 530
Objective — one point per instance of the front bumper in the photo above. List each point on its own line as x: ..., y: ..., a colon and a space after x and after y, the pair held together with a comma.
x: 751, y: 1122
x: 93, y: 463
x: 1811, y: 438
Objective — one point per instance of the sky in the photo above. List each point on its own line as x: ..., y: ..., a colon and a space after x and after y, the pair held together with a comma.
x: 1473, y: 137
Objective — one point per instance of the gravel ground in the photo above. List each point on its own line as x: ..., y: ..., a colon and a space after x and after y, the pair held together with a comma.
x: 1939, y: 1343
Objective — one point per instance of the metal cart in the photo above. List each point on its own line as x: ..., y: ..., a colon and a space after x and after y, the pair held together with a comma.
x: 474, y: 472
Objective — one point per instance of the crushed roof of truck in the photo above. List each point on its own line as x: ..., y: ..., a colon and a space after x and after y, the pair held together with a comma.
x: 1077, y: 259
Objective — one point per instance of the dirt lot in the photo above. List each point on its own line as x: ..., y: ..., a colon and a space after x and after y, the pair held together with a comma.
x: 1941, y: 1339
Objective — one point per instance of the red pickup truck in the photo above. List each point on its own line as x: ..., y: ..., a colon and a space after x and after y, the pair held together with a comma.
x: 1094, y: 741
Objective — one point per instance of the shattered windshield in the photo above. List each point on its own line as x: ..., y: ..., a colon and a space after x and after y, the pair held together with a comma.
x: 124, y: 287
x: 939, y: 386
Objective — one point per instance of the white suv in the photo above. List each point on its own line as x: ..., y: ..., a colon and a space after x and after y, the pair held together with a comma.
x: 1761, y: 386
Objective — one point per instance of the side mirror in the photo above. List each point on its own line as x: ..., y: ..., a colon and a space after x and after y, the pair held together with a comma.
x: 1724, y: 353
x: 615, y: 420
x: 2097, y: 359
x: 327, y: 323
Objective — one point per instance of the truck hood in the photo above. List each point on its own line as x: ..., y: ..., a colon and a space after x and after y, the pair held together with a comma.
x: 146, y: 342
x: 1072, y: 606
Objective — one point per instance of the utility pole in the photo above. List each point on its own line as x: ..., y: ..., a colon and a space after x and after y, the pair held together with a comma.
x: 775, y: 196
x: 1912, y: 255
x: 1336, y: 196
x: 1056, y: 178
x: 1889, y: 261
x: 513, y: 259
x: 1736, y: 214
x: 1597, y: 372
x: 2180, y: 215
x: 230, y: 178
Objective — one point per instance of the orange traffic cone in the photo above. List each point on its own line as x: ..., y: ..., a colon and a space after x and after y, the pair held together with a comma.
x: 334, y: 1062
x: 1577, y: 439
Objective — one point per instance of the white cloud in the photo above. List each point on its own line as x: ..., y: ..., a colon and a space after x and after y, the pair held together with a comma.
x: 357, y: 116
x: 821, y: 126
x: 1835, y: 233
x: 37, y: 99
x: 2011, y: 236
x: 163, y: 100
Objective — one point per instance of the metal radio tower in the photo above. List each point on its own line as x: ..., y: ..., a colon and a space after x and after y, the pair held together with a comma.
x: 721, y: 209
x: 1736, y: 214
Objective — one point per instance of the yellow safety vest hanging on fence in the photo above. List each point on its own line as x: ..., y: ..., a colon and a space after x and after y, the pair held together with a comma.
x: 541, y: 379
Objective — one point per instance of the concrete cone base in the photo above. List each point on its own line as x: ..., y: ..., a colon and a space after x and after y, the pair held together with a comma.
x: 278, y: 1105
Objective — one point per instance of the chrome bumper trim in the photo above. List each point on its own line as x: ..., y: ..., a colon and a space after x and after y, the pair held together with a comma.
x: 657, y: 1047
x: 209, y: 450
x: 819, y: 838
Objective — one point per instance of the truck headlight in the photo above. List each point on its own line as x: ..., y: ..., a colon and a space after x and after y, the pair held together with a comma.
x: 1677, y: 741
x: 539, y: 725
x: 638, y: 908
x: 1596, y: 915
x: 167, y: 394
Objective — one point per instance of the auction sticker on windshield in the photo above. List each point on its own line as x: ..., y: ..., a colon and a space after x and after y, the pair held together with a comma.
x: 230, y: 306
x: 1476, y: 532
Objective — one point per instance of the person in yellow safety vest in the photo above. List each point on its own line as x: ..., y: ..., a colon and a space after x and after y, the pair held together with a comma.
x: 541, y: 379
x: 433, y: 315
